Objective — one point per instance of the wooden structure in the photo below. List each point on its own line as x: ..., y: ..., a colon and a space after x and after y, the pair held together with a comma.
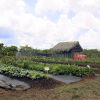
x: 67, y: 49
x: 20, y: 54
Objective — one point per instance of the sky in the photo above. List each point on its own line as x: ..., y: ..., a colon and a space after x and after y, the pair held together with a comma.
x: 42, y: 24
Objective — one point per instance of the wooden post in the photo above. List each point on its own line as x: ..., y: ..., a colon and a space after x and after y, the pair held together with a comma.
x: 47, y: 74
x: 89, y: 68
x: 47, y: 68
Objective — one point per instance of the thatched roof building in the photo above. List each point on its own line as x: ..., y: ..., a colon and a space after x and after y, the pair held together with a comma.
x: 73, y: 46
x: 67, y: 49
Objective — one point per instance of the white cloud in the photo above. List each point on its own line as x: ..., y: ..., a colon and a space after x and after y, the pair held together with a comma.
x: 0, y: 41
x: 33, y: 41
x: 89, y: 2
x: 86, y: 6
x: 67, y: 29
x: 66, y: 5
x: 32, y: 29
x: 9, y: 9
x: 90, y: 39
x: 14, y: 5
x: 85, y: 20
x: 44, y: 5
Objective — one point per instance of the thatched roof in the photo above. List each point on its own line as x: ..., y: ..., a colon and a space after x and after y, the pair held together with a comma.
x: 66, y: 46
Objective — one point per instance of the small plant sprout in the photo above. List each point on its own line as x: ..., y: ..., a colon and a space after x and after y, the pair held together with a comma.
x: 89, y: 68
x: 47, y: 68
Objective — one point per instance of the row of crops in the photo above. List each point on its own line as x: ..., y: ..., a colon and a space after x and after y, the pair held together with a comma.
x: 55, y: 69
x: 20, y: 72
x: 92, y: 60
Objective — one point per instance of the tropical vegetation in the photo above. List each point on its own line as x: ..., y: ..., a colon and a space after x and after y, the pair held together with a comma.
x: 12, y: 50
x: 20, y: 72
x: 54, y: 68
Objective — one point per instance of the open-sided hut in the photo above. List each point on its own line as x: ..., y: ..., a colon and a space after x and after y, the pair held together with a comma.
x: 67, y: 49
x: 20, y: 54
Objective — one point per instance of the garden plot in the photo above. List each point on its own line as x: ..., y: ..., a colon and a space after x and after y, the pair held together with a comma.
x: 14, y: 84
x: 56, y: 69
x: 11, y: 83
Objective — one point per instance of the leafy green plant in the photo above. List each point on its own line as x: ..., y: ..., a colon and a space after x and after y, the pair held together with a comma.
x: 54, y: 68
x: 19, y: 72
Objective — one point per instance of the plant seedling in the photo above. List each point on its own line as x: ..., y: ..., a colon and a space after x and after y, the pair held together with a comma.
x: 47, y: 68
x: 89, y: 68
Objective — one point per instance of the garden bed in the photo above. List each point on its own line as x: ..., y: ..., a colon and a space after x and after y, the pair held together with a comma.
x: 48, y: 83
x: 93, y: 65
x: 41, y: 89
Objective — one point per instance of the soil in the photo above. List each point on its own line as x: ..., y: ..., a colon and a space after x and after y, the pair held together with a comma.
x: 50, y: 83
x: 19, y: 86
x: 40, y: 86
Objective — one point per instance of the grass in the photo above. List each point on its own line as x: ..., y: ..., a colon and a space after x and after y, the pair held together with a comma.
x: 84, y: 91
x: 5, y: 97
x: 78, y: 92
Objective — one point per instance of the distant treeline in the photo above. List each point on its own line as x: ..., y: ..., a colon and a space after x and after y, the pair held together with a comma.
x: 91, y: 53
x: 12, y: 50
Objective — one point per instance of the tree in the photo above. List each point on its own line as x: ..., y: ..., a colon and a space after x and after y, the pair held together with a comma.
x: 26, y: 48
x: 1, y: 46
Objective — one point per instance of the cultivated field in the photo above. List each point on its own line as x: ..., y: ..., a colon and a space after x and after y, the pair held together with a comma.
x: 43, y: 89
